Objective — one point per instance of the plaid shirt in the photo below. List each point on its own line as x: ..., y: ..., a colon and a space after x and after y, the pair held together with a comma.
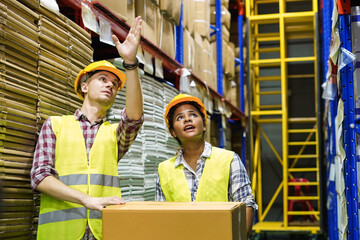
x: 239, y: 183
x: 44, y: 156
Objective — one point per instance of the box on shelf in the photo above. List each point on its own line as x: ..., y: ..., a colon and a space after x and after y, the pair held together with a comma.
x: 189, y: 50
x: 175, y: 220
x: 202, y: 18
x: 116, y: 7
x: 225, y: 16
x: 165, y: 35
x: 188, y: 16
x: 198, y: 57
x: 147, y: 10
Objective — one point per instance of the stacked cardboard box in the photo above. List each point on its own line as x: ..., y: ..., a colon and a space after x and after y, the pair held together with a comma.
x: 171, y: 9
x: 197, y: 49
x: 18, y: 87
x: 228, y: 51
x: 64, y: 50
x: 117, y: 7
x: 41, y: 54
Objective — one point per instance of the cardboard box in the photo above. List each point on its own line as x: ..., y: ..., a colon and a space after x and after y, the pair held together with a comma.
x: 165, y: 35
x: 225, y: 16
x: 202, y: 18
x: 175, y: 221
x: 188, y: 16
x: 189, y: 50
x: 117, y: 7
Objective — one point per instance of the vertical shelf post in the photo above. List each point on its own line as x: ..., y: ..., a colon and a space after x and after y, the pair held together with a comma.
x: 180, y: 38
x: 347, y: 84
x: 241, y: 77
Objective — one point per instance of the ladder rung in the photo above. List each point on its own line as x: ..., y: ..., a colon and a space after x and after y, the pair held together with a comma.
x: 302, y: 120
x: 267, y: 1
x: 268, y: 39
x: 265, y: 35
x: 270, y: 106
x: 301, y: 143
x: 303, y: 212
x: 300, y: 59
x: 300, y: 35
x: 265, y: 18
x: 269, y: 120
x: 303, y: 156
x: 274, y: 17
x: 299, y: 28
x: 268, y: 78
x: 263, y: 50
x: 301, y: 76
x: 269, y: 112
x: 303, y: 170
x: 302, y: 130
x: 269, y: 93
x: 303, y: 198
x: 303, y: 183
x: 268, y: 62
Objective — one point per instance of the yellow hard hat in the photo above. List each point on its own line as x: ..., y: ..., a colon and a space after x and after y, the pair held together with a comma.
x: 98, y: 66
x: 183, y: 98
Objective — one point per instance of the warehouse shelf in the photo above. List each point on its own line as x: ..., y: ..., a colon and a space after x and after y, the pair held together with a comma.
x: 120, y: 28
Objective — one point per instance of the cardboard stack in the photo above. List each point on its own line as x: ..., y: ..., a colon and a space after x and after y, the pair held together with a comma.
x: 197, y: 49
x: 65, y: 49
x: 18, y: 87
x: 230, y: 84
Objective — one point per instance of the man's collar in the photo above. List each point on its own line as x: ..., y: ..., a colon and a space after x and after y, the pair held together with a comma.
x: 81, y: 116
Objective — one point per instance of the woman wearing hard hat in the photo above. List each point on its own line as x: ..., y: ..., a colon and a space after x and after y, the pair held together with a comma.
x: 199, y: 171
x: 75, y: 160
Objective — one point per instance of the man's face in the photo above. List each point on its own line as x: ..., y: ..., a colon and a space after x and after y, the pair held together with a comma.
x: 101, y: 88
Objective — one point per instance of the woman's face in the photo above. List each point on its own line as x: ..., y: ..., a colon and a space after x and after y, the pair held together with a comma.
x: 187, y: 123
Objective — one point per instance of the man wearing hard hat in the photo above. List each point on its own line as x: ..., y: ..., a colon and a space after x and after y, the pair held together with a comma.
x: 199, y: 171
x: 76, y: 157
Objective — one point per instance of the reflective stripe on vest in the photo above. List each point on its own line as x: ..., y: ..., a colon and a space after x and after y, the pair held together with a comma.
x: 68, y: 214
x: 213, y: 185
x: 97, y: 177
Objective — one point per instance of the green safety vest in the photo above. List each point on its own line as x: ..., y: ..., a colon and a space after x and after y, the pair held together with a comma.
x: 213, y: 185
x: 97, y: 177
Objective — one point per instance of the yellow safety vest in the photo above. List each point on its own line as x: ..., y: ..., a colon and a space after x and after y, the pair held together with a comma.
x: 97, y: 177
x: 213, y: 185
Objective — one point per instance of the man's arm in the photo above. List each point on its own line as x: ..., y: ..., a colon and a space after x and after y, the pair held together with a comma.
x: 127, y: 50
x: 57, y: 189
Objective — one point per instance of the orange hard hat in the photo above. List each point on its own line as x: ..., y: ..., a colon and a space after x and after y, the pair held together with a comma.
x: 98, y: 66
x: 183, y: 98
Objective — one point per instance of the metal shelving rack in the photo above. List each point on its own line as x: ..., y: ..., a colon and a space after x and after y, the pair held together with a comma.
x: 331, y: 195
x: 349, y: 125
